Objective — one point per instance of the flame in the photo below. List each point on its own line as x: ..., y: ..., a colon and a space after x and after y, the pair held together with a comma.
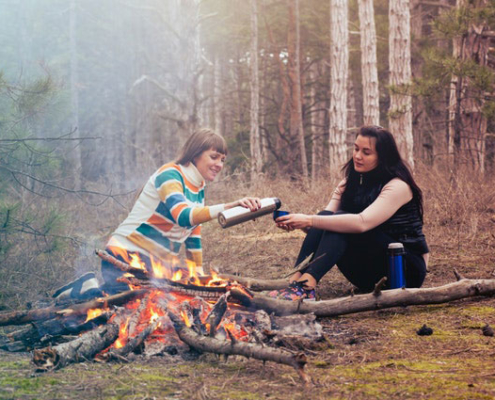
x: 177, y: 275
x: 93, y: 313
x: 120, y: 342
x: 185, y: 317
x: 136, y: 262
x: 193, y: 275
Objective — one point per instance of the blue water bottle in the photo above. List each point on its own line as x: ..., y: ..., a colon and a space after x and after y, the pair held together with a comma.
x: 396, y: 277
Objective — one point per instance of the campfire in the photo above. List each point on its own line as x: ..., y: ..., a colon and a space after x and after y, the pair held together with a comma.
x: 170, y: 311
x: 167, y: 310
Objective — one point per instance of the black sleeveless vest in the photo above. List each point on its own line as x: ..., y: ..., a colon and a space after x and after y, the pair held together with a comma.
x: 404, y: 226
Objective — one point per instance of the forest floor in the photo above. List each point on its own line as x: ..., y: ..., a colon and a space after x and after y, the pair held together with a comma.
x: 369, y: 355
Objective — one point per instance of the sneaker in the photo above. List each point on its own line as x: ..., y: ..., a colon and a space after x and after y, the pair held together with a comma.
x: 295, y: 291
x: 85, y: 287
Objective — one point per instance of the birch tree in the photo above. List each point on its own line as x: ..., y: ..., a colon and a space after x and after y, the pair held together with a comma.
x: 254, y: 135
x: 339, y: 71
x: 371, y: 105
x: 400, y: 112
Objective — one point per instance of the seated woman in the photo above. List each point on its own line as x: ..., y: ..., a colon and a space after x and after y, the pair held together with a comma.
x: 377, y: 203
x: 170, y: 209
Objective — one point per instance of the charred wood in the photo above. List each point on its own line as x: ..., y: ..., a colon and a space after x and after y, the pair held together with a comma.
x: 132, y: 344
x: 217, y: 313
x: 81, y: 349
x: 234, y: 347
x: 368, y: 302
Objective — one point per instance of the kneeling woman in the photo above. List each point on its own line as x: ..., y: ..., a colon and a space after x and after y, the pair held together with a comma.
x: 377, y: 203
x: 170, y: 209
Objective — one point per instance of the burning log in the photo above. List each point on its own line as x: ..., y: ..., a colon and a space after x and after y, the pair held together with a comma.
x: 367, y: 302
x: 124, y: 267
x: 42, y: 314
x: 217, y: 313
x: 234, y: 347
x: 131, y: 345
x: 84, y: 348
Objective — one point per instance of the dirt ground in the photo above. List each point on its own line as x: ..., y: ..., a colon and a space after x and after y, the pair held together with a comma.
x: 370, y: 355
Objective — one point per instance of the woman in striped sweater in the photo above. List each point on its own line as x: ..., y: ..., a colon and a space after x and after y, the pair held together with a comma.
x: 171, y: 208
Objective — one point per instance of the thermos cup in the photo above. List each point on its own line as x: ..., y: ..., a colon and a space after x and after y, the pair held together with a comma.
x: 396, y: 276
x: 238, y: 215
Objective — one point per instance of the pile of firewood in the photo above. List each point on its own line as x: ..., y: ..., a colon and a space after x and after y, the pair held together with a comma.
x: 160, y: 316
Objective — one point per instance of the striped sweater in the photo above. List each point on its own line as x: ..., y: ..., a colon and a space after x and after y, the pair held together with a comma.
x: 167, y: 213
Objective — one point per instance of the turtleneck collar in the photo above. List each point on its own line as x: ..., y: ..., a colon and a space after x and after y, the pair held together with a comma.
x: 192, y: 174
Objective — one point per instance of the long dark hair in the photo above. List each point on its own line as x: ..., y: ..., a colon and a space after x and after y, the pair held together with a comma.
x: 390, y: 163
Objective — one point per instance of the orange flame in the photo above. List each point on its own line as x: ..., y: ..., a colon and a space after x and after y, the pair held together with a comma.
x: 120, y: 342
x: 193, y: 275
x: 184, y: 316
x: 93, y: 313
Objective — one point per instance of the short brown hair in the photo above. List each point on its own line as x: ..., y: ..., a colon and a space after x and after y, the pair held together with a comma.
x: 201, y: 140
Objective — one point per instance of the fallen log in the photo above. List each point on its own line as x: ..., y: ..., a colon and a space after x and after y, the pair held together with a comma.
x: 234, y: 347
x: 371, y: 301
x: 81, y: 349
x: 43, y: 314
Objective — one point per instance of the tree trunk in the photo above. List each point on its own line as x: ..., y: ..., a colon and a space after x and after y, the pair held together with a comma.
x: 371, y: 96
x: 254, y: 135
x: 339, y: 71
x: 74, y: 93
x: 467, y: 124
x: 294, y: 68
x: 400, y: 112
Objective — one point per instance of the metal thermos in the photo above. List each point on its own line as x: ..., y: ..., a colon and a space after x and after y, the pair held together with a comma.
x: 396, y: 274
x: 238, y: 215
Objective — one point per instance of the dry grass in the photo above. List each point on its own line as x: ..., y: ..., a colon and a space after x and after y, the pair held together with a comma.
x: 372, y: 355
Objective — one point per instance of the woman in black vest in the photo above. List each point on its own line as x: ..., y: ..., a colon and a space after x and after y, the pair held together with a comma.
x: 377, y: 203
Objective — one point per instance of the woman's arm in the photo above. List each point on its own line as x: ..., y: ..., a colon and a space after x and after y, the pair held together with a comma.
x: 394, y: 195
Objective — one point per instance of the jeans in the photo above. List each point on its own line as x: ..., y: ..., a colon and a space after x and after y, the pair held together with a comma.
x: 362, y: 258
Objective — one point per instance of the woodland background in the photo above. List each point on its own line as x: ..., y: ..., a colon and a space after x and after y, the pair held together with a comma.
x: 95, y: 95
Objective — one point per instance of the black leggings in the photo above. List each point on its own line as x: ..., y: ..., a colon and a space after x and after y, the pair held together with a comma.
x: 362, y: 258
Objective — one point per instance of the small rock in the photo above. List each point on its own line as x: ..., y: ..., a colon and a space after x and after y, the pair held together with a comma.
x: 424, y: 331
x: 487, y: 330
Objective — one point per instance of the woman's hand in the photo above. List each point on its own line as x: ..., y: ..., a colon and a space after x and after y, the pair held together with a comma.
x: 253, y: 203
x: 294, y: 221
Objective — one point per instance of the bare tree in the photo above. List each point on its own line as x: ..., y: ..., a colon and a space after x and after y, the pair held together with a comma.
x: 371, y: 96
x: 339, y: 72
x: 74, y: 91
x: 400, y: 112
x: 254, y: 135
x: 296, y: 117
x: 467, y: 124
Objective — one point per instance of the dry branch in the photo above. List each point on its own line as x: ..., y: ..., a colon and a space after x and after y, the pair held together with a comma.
x: 257, y: 284
x: 367, y: 302
x: 249, y: 350
x: 83, y: 348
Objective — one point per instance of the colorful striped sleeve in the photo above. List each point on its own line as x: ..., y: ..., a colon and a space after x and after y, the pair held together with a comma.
x: 172, y: 191
x: 194, y: 251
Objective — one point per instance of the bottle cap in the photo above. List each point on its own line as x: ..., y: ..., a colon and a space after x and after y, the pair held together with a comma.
x: 394, y: 246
